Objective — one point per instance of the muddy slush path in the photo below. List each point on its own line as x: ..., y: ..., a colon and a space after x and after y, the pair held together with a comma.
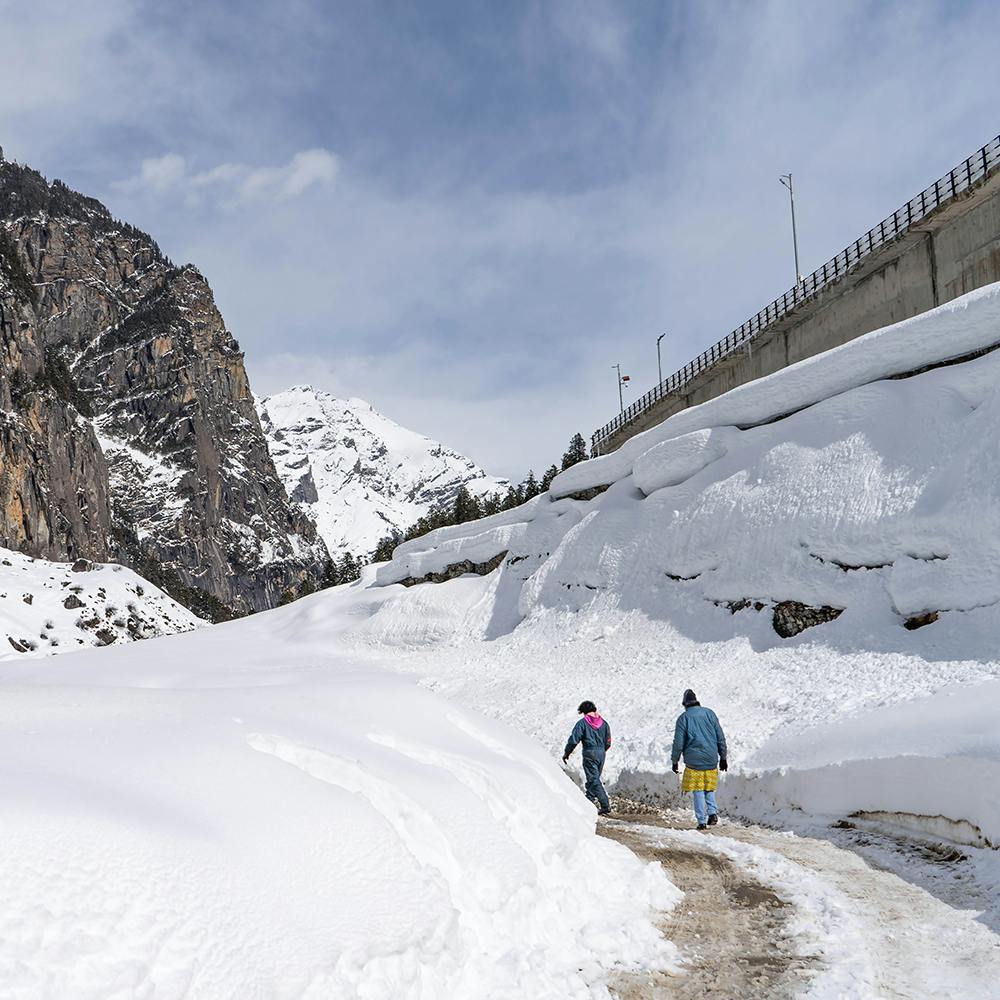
x: 730, y: 928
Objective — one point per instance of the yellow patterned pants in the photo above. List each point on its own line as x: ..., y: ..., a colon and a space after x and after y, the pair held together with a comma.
x: 700, y: 781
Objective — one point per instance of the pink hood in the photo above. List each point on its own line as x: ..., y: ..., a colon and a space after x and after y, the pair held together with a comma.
x: 594, y: 719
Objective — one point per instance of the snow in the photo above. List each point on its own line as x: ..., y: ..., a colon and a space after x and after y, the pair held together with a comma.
x: 962, y: 326
x: 241, y: 812
x: 115, y: 604
x: 905, y: 762
x: 881, y: 498
x: 286, y: 806
x: 358, y: 474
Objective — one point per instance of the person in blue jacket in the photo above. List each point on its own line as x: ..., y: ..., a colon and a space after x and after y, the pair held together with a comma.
x: 595, y: 735
x: 699, y: 738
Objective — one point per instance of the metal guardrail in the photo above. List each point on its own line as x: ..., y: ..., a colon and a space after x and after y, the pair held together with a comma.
x: 963, y: 177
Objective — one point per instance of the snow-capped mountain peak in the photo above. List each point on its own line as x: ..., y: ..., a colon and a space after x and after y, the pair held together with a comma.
x: 358, y: 474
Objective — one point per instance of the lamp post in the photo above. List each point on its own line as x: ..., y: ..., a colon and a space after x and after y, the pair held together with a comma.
x: 622, y: 379
x: 659, y: 366
x: 786, y: 180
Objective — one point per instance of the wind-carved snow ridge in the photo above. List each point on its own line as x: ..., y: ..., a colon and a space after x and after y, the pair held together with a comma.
x: 357, y: 473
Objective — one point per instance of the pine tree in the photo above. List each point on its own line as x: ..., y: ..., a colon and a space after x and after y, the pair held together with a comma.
x: 330, y: 575
x: 530, y: 485
x: 550, y: 473
x: 492, y: 504
x: 465, y: 507
x: 511, y: 499
x: 577, y: 451
x: 348, y: 570
x: 386, y: 546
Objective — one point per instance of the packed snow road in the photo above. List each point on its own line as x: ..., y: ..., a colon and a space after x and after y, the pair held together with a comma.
x: 768, y: 914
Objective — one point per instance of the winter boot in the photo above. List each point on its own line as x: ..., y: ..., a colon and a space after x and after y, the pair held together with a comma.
x: 713, y: 819
x: 603, y: 812
x: 702, y: 826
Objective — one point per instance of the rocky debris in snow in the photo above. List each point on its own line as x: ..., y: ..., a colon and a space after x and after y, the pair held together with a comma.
x: 919, y: 621
x: 455, y: 570
x: 91, y: 607
x: 793, y: 617
x: 741, y: 605
x: 82, y: 566
x: 587, y: 494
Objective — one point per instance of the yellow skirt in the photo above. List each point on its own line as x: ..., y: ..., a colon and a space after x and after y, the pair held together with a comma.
x: 700, y: 781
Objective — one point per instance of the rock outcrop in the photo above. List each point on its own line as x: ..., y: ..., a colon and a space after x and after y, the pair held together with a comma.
x: 128, y: 429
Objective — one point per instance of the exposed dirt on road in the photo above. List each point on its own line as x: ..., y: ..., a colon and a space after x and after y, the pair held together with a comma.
x: 731, y: 930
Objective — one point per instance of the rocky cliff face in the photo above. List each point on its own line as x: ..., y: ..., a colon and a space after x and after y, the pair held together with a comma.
x: 127, y: 426
x: 357, y: 473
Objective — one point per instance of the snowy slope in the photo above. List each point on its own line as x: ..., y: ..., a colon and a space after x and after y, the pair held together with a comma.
x: 240, y: 812
x: 870, y: 498
x: 47, y: 607
x: 358, y: 474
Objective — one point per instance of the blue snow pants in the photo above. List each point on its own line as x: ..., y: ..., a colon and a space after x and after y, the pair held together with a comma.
x: 592, y: 767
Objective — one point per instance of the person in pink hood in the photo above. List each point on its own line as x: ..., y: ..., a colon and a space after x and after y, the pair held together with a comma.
x: 595, y: 735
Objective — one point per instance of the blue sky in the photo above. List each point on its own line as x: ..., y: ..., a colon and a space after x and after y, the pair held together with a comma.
x: 466, y: 213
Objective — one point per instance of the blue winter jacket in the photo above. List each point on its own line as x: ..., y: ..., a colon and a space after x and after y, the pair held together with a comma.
x: 699, y: 737
x: 595, y: 740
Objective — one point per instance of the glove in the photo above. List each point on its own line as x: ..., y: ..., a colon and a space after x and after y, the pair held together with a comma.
x: 565, y: 758
x: 723, y: 764
x: 676, y: 768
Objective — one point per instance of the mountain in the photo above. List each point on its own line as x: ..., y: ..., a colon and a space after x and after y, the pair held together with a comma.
x: 127, y: 426
x: 49, y: 607
x: 356, y: 473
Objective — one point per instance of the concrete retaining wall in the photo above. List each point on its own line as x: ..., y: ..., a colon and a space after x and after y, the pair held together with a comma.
x: 952, y: 251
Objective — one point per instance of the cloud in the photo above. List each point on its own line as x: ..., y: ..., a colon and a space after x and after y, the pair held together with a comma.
x: 232, y: 182
x: 160, y: 174
x: 521, y: 195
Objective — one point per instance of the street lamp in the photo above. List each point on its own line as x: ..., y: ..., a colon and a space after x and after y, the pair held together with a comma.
x: 786, y: 180
x: 659, y: 366
x: 622, y: 379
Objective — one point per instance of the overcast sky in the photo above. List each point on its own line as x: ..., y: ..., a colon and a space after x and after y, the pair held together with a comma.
x: 467, y: 212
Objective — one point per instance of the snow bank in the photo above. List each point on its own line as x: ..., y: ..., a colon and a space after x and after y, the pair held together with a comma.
x: 930, y: 767
x: 235, y: 812
x: 47, y: 608
x: 881, y: 501
x: 960, y: 327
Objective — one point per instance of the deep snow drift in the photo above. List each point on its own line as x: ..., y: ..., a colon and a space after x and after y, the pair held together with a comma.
x: 876, y: 499
x: 46, y: 607
x: 238, y: 812
x: 358, y: 474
